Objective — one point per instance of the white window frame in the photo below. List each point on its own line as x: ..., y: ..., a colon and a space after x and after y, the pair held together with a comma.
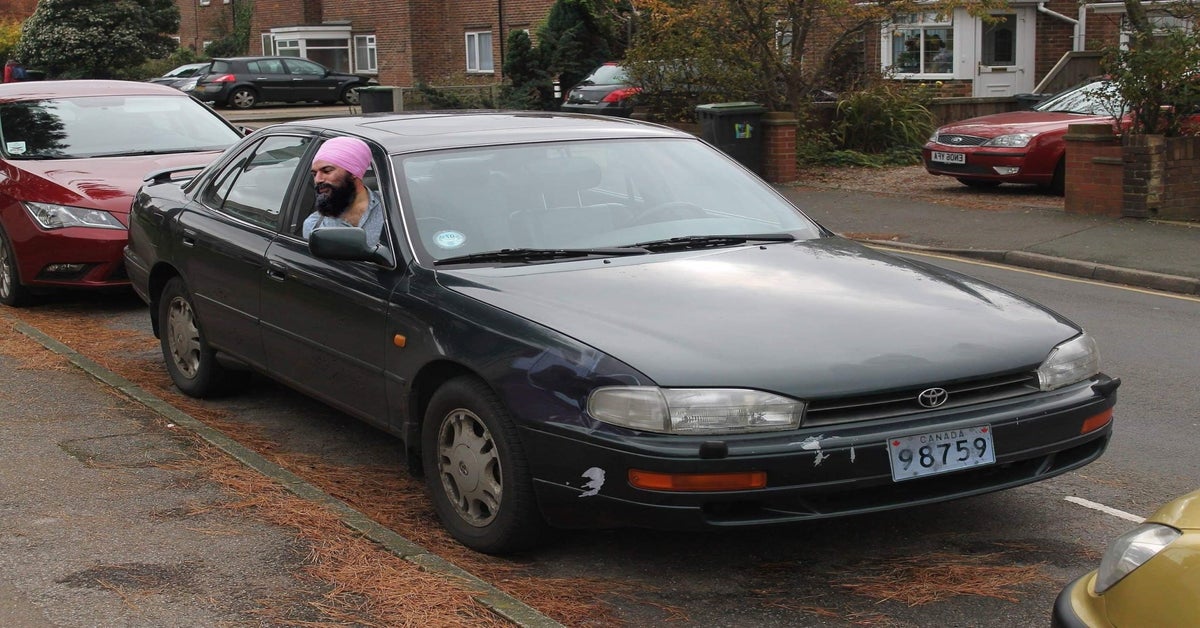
x: 477, y: 63
x: 205, y: 3
x: 893, y: 31
x: 268, y: 45
x: 369, y: 65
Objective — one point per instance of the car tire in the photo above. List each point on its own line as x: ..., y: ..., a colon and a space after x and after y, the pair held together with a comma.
x: 978, y: 183
x: 12, y: 292
x: 1058, y: 183
x: 350, y: 95
x: 476, y: 470
x: 192, y: 364
x: 242, y: 98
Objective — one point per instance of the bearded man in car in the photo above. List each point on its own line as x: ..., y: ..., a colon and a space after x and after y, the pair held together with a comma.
x: 342, y: 198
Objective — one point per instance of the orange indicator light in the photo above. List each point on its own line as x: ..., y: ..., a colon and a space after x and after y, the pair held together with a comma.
x: 1096, y: 422
x: 697, y: 481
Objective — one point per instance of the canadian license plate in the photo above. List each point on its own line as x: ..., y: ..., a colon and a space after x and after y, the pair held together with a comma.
x: 940, y: 452
x: 949, y: 158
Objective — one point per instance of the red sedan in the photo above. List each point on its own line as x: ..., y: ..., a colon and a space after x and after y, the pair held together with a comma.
x: 1020, y: 146
x: 72, y: 155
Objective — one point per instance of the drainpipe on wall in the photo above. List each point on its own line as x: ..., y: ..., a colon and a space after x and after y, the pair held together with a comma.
x: 1078, y: 34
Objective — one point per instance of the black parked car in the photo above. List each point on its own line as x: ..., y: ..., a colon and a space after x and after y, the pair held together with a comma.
x: 606, y: 91
x: 600, y: 322
x: 243, y: 82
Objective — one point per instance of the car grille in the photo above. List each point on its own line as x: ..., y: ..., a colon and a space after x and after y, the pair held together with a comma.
x: 880, y: 406
x: 954, y: 139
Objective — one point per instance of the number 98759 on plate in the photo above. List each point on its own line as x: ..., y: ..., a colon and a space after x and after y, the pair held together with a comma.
x: 940, y: 452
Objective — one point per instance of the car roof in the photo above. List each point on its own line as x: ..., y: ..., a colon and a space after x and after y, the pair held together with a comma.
x: 420, y: 131
x: 37, y: 90
x: 260, y: 58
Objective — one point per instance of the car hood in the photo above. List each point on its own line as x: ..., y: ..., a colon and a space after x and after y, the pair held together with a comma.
x: 809, y: 319
x: 1182, y: 513
x: 107, y: 183
x: 1019, y: 122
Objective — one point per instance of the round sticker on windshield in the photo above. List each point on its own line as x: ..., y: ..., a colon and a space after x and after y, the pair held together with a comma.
x: 449, y: 239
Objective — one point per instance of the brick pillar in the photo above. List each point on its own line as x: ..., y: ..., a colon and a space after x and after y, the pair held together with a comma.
x: 779, y: 147
x: 1093, y: 183
x: 1145, y: 175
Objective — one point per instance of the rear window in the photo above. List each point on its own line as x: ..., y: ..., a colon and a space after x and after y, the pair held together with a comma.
x: 221, y: 67
x: 608, y: 75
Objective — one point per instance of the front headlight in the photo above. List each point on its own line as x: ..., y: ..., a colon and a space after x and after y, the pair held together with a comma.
x: 1074, y: 360
x: 694, y: 410
x: 1017, y: 140
x: 52, y: 216
x: 1131, y: 550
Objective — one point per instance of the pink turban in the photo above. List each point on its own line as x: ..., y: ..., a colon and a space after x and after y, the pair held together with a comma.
x: 349, y: 153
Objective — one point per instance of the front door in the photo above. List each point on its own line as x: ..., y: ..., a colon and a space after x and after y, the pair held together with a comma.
x: 1005, y: 54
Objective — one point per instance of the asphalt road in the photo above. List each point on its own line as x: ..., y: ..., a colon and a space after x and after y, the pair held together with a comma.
x: 1006, y: 554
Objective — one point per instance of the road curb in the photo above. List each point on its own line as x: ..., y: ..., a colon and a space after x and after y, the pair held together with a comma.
x: 1062, y: 266
x: 492, y: 598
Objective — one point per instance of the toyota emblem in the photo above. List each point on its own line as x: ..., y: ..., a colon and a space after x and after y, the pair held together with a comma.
x: 933, y: 397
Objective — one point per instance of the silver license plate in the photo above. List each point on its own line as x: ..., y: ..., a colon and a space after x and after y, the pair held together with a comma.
x: 949, y: 158
x: 940, y: 452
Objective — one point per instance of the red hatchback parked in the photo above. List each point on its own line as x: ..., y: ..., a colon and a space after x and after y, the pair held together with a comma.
x: 72, y: 155
x: 1020, y: 146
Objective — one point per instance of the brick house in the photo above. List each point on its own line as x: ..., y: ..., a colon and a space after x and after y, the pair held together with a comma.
x: 1012, y: 55
x: 461, y: 42
x: 404, y: 42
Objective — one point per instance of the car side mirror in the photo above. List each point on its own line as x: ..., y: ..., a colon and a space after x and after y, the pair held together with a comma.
x: 348, y: 243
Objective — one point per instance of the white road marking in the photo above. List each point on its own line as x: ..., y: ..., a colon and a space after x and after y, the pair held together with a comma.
x: 1120, y: 514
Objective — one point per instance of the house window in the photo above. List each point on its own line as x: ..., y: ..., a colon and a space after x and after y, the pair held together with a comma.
x: 920, y: 43
x: 479, y: 52
x: 205, y: 3
x: 365, y: 58
x: 287, y: 47
x: 1162, y: 23
x: 268, y: 44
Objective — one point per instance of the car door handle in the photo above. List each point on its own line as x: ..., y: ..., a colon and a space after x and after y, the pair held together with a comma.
x: 189, y: 237
x: 276, y: 271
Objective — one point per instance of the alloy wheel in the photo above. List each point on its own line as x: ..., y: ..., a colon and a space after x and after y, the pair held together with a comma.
x: 469, y: 467
x: 184, y: 337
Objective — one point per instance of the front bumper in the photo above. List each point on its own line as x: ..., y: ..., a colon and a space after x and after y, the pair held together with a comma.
x: 99, y: 253
x: 1077, y: 607
x: 981, y: 164
x: 847, y: 473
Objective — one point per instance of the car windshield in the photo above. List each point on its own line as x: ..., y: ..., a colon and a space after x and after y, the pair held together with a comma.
x: 1098, y: 98
x: 103, y: 126
x: 586, y: 195
x: 607, y: 75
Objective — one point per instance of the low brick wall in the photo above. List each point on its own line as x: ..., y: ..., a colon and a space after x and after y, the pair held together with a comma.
x: 1162, y: 177
x: 1094, y: 182
x: 779, y: 147
x: 1147, y: 176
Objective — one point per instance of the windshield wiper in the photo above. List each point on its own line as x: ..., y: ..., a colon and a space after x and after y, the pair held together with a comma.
x: 538, y: 255
x: 701, y: 242
x: 135, y: 153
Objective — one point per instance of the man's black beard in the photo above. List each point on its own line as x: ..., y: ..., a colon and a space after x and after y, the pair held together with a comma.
x: 334, y: 200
